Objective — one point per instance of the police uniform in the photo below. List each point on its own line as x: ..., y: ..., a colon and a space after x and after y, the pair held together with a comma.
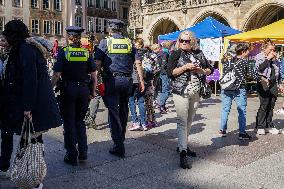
x: 75, y: 64
x: 117, y: 56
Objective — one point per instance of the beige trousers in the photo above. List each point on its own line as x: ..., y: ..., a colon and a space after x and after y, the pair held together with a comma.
x: 186, y: 108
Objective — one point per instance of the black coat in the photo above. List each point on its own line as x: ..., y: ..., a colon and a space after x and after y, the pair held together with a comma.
x: 27, y: 87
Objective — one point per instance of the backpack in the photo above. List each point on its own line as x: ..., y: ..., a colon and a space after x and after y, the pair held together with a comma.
x: 229, y: 79
x: 148, y: 61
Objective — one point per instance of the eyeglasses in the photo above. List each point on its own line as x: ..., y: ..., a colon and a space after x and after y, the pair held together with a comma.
x: 185, y: 41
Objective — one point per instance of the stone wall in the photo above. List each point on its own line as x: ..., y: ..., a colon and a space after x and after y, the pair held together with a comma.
x: 185, y: 13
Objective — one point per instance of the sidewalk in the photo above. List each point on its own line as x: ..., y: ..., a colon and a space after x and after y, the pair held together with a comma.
x: 152, y: 161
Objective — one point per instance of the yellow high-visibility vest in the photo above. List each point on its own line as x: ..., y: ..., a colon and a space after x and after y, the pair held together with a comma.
x: 73, y: 54
x: 119, y: 46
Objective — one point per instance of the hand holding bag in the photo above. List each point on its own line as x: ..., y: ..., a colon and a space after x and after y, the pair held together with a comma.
x: 28, y: 168
x: 205, y: 90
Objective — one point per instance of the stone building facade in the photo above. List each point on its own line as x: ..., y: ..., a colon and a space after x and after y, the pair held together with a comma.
x: 99, y: 11
x: 13, y: 9
x: 150, y: 18
x: 47, y: 18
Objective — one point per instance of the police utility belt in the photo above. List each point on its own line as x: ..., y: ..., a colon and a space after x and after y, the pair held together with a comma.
x: 120, y: 74
x: 76, y: 83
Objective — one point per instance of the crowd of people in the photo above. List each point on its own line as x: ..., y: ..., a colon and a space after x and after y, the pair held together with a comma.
x: 125, y: 74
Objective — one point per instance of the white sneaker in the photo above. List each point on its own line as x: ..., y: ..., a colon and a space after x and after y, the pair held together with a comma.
x: 261, y: 131
x: 273, y: 131
x: 144, y: 128
x: 134, y: 127
x: 4, y: 175
x: 280, y: 111
x: 39, y: 187
x: 282, y: 131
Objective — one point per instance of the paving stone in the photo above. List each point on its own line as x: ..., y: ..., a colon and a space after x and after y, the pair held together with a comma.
x: 129, y: 167
x: 152, y: 161
x: 267, y: 172
x: 85, y: 179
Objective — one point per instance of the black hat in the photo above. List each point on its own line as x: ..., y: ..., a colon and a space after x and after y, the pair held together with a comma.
x: 74, y: 30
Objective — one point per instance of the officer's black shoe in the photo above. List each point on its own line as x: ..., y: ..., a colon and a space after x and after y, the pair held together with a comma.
x: 188, y: 152
x: 70, y: 160
x: 83, y: 157
x: 183, y: 160
x: 117, y: 152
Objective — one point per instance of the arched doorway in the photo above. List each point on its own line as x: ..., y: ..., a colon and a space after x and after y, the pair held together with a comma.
x: 214, y: 15
x: 264, y: 16
x: 162, y: 27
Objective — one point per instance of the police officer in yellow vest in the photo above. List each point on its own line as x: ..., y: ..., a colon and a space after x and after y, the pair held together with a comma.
x: 116, y: 56
x: 75, y: 65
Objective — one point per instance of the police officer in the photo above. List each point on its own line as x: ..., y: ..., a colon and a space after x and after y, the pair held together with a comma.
x: 116, y: 56
x: 74, y: 64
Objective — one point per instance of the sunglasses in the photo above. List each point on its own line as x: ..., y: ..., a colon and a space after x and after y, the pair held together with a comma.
x: 185, y: 41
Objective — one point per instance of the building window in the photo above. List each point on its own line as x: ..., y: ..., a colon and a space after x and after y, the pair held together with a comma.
x: 78, y: 21
x: 2, y: 2
x: 35, y: 26
x: 17, y: 3
x: 46, y: 27
x: 105, y: 4
x: 78, y: 2
x: 2, y: 23
x: 98, y: 3
x: 90, y: 24
x: 105, y: 25
x: 125, y: 13
x: 45, y: 4
x: 58, y: 28
x: 57, y: 5
x: 98, y: 25
x: 90, y: 3
x: 34, y: 3
x: 113, y: 6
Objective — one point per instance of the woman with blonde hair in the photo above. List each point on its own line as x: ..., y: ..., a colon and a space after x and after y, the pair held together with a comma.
x: 187, y: 67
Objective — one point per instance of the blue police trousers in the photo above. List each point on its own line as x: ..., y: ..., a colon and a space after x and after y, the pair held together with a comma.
x: 116, y: 100
x: 75, y: 101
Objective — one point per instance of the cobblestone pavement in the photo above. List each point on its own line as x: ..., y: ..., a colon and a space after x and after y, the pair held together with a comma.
x: 152, y: 161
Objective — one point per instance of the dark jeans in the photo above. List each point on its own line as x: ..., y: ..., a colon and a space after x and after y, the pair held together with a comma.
x: 116, y: 101
x: 7, y: 148
x: 265, y: 111
x: 75, y: 102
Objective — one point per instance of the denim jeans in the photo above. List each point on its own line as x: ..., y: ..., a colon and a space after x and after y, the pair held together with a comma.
x: 241, y: 100
x: 165, y: 92
x: 137, y: 95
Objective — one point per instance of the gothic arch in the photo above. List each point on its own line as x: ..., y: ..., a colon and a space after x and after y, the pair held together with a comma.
x: 262, y: 6
x: 153, y: 26
x: 210, y: 11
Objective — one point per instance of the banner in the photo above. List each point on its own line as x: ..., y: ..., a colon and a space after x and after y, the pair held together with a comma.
x: 211, y: 48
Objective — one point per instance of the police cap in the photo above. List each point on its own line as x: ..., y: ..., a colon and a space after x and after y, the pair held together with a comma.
x: 115, y: 24
x: 74, y: 30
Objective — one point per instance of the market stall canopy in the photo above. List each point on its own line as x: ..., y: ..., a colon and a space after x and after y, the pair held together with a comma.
x: 208, y: 28
x: 274, y: 31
